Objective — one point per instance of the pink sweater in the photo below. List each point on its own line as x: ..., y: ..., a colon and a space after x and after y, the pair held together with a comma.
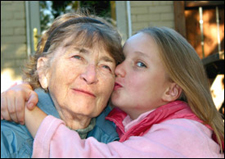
x: 164, y: 132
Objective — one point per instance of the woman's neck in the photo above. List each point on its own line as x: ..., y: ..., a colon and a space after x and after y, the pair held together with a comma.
x: 75, y: 121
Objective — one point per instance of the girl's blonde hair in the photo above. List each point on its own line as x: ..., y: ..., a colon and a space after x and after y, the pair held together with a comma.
x: 185, y: 68
x: 85, y: 33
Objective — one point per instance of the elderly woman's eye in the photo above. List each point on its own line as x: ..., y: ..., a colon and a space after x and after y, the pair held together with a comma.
x: 107, y: 68
x: 141, y: 64
x: 77, y: 57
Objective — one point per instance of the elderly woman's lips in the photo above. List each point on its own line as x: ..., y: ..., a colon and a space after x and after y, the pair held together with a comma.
x: 84, y: 92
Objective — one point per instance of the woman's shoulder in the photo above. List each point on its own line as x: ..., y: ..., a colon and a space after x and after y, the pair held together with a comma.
x: 16, y: 141
x: 45, y: 103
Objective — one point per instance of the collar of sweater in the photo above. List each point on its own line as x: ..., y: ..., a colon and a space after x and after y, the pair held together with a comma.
x: 83, y: 132
x: 139, y: 126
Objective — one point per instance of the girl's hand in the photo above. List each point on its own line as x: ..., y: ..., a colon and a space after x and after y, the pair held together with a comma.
x: 13, y: 102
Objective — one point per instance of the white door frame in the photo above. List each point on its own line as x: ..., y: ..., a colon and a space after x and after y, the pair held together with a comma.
x: 123, y: 19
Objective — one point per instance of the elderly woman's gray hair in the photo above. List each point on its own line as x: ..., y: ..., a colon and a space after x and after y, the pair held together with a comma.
x: 84, y: 34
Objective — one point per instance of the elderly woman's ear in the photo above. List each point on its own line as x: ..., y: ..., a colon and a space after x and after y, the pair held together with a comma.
x: 42, y: 72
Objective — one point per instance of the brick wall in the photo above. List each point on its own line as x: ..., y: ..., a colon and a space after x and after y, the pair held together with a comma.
x: 13, y: 41
x: 151, y: 13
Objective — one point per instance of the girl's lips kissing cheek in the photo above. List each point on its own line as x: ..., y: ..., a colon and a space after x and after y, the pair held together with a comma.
x: 117, y: 86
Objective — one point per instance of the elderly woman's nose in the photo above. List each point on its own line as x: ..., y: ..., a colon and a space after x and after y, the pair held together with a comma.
x: 90, y: 74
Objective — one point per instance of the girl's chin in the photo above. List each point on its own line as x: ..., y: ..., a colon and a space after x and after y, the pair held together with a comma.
x: 117, y: 103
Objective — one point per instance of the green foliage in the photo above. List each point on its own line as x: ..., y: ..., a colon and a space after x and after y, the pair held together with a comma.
x: 49, y: 10
x: 99, y: 8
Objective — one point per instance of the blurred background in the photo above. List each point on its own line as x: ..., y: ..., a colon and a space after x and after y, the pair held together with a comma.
x: 200, y: 22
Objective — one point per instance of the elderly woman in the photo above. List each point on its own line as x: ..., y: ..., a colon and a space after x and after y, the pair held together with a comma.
x: 73, y: 74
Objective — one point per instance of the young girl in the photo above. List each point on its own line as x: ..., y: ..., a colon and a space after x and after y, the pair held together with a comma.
x: 163, y: 107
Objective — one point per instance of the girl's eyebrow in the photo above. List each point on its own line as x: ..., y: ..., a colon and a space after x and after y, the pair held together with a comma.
x: 141, y: 54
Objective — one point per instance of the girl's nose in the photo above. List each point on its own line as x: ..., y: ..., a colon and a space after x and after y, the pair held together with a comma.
x: 90, y: 74
x: 120, y: 70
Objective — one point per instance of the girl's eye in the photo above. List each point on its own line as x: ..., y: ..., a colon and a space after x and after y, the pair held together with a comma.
x: 141, y: 64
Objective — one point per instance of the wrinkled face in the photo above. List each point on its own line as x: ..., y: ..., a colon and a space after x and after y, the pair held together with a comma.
x: 141, y: 78
x: 81, y: 80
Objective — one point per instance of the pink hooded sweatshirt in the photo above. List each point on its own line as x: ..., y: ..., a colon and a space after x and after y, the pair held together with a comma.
x: 171, y: 131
